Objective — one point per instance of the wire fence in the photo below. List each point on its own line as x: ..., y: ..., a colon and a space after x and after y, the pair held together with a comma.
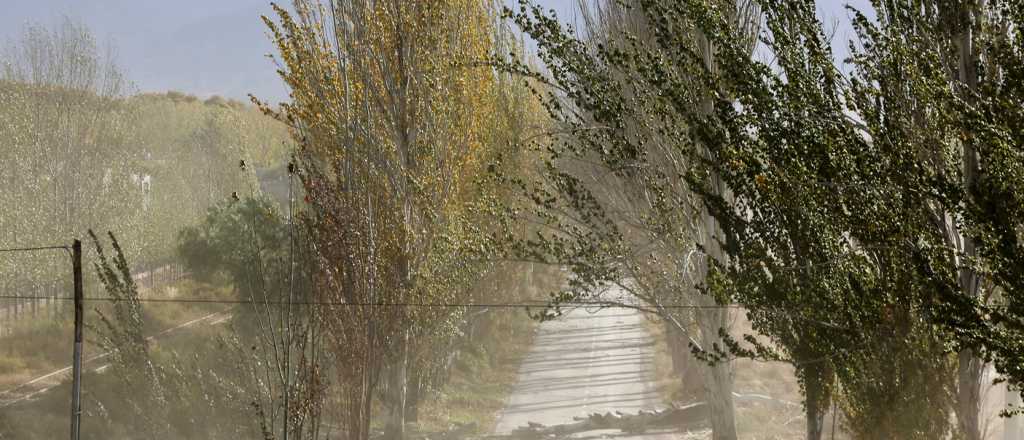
x: 32, y: 299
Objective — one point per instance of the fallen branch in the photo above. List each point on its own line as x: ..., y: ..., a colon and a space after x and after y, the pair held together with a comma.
x: 684, y: 417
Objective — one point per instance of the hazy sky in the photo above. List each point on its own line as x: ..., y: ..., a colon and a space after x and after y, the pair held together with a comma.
x: 210, y: 47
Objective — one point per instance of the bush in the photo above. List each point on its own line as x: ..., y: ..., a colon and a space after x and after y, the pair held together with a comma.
x: 235, y: 238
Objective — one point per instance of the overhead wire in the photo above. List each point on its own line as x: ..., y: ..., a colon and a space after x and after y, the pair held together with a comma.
x: 34, y: 248
x: 374, y: 304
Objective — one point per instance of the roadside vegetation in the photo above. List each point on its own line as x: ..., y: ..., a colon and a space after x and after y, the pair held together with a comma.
x: 37, y: 346
x: 152, y: 377
x: 821, y: 244
x: 184, y: 187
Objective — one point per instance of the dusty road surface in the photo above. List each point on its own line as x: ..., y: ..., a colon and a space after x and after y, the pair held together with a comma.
x: 584, y: 363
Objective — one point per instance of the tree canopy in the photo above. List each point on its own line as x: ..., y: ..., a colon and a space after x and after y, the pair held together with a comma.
x: 866, y: 221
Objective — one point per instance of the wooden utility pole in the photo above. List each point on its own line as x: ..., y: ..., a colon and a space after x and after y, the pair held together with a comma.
x: 76, y: 375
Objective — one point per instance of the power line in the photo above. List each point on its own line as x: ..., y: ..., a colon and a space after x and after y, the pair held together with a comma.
x: 35, y: 248
x: 610, y: 304
x: 376, y: 304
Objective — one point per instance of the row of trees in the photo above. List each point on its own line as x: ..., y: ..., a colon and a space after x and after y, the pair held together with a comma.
x: 397, y: 117
x: 868, y: 222
x: 289, y: 362
x: 386, y: 197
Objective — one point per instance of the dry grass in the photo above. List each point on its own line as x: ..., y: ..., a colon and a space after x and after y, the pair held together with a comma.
x: 481, y: 381
x: 40, y: 345
x: 45, y: 415
x: 476, y: 392
x: 484, y: 378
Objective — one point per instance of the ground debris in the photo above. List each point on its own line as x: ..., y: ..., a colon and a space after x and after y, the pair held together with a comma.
x: 686, y: 417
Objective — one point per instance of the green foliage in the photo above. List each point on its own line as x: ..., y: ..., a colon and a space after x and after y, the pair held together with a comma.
x: 237, y: 238
x: 122, y: 333
x: 161, y: 394
x: 870, y: 219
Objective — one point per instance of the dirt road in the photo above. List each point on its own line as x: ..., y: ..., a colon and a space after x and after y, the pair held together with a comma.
x: 584, y: 363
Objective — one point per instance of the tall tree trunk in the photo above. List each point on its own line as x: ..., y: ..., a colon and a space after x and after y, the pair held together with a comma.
x: 969, y: 368
x: 684, y: 365
x: 817, y: 393
x: 723, y: 417
x: 676, y: 345
x: 412, y: 404
x: 362, y: 400
x: 364, y: 416
x: 718, y: 377
x: 969, y: 379
x: 398, y: 390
